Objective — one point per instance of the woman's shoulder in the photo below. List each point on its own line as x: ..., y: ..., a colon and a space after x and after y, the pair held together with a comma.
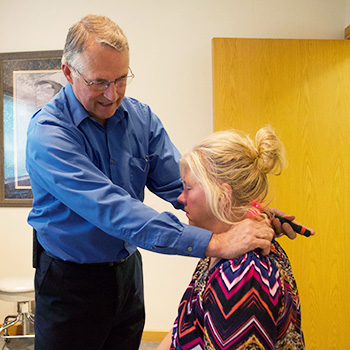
x: 277, y: 256
x: 253, y: 258
x: 249, y: 269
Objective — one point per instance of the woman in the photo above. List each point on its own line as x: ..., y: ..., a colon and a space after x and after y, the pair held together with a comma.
x: 250, y: 302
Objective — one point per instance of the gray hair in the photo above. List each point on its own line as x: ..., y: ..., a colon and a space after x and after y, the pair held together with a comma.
x: 100, y: 28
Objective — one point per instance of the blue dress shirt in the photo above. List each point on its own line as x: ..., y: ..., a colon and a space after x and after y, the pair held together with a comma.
x: 88, y: 183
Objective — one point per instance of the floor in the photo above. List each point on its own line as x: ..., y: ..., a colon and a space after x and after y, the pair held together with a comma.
x: 18, y: 344
x: 28, y: 344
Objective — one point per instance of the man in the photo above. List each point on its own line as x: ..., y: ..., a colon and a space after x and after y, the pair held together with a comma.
x: 90, y: 153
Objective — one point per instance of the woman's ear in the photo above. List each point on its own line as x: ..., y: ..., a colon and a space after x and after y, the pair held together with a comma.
x: 227, y: 189
x: 67, y: 71
x: 226, y: 201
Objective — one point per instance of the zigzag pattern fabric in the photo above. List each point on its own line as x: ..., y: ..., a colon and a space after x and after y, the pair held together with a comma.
x: 247, y: 303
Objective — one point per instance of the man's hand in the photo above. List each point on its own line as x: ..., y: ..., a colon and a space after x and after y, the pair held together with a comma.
x: 285, y: 229
x: 241, y: 238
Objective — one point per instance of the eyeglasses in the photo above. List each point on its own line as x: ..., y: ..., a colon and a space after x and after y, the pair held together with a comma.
x: 102, y: 84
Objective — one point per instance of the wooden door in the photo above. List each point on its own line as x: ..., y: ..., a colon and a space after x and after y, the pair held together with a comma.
x: 301, y: 88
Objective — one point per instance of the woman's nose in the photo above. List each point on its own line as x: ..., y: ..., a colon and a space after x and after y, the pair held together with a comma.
x: 181, y: 198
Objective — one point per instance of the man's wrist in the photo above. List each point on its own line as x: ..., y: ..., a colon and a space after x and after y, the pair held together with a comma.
x: 214, y: 247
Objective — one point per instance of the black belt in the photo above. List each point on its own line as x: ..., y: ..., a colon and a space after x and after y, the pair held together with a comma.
x: 110, y: 263
x: 107, y: 264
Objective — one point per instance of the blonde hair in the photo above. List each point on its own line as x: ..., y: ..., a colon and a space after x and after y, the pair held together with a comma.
x: 234, y: 158
x: 100, y: 28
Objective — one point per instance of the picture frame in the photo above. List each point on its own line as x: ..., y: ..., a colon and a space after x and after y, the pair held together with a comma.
x: 28, y: 80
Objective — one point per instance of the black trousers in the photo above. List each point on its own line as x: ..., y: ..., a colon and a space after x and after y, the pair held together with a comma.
x: 87, y: 306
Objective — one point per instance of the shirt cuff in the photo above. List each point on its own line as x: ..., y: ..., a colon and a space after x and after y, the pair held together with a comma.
x: 193, y: 241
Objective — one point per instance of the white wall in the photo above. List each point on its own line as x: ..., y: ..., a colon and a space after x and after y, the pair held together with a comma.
x: 347, y: 13
x: 171, y: 57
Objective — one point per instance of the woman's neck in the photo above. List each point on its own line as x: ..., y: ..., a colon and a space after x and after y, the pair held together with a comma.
x: 218, y: 227
x: 213, y: 262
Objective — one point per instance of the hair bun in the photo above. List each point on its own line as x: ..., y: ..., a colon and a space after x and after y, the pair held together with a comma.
x: 271, y: 158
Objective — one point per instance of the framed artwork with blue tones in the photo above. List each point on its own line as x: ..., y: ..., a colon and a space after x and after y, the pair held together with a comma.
x: 28, y: 80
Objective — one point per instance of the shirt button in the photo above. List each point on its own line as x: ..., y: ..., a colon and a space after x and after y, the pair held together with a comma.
x: 190, y: 249
x: 112, y: 161
x: 152, y: 248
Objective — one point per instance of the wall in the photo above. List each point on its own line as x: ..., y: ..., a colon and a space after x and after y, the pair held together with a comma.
x: 347, y: 12
x: 171, y: 57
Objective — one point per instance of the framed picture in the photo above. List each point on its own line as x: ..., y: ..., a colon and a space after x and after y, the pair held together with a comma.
x: 28, y: 80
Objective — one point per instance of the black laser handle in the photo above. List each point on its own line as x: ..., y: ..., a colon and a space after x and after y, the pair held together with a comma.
x: 297, y: 228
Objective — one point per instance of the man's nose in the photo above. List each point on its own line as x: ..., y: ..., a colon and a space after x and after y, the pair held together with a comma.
x: 112, y: 92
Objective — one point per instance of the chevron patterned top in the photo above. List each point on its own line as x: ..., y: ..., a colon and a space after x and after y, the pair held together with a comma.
x: 251, y: 302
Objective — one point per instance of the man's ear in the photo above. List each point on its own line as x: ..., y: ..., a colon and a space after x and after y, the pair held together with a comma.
x: 67, y: 71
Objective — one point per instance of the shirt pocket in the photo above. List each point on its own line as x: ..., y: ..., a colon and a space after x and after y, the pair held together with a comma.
x: 139, y: 168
